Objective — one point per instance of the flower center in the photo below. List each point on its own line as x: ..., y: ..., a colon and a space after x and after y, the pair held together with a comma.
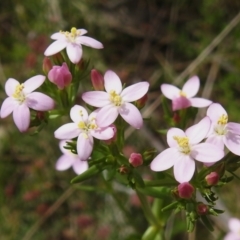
x: 220, y: 128
x: 182, y: 94
x: 183, y: 143
x: 115, y: 98
x: 18, y: 93
x: 86, y: 127
x: 71, y: 36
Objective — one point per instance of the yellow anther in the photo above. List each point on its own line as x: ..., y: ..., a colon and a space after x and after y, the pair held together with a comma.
x: 71, y: 36
x: 18, y: 94
x: 223, y: 119
x: 81, y: 113
x: 115, y: 98
x: 182, y: 94
x: 183, y: 143
x: 82, y: 125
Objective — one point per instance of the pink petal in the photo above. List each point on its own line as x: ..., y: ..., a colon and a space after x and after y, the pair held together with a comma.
x: 67, y: 131
x: 184, y: 169
x: 96, y: 98
x: 39, y: 101
x: 10, y: 86
x: 174, y: 132
x: 84, y: 146
x: 170, y: 91
x: 232, y: 142
x: 82, y: 31
x: 234, y: 225
x: 191, y: 87
x: 134, y: 92
x: 90, y: 42
x: 165, y: 160
x: 103, y: 133
x: 180, y: 103
x: 58, y: 36
x: 55, y: 47
x: 64, y: 162
x: 206, y: 153
x: 131, y: 115
x: 21, y: 117
x: 217, y: 140
x: 112, y: 82
x: 215, y: 111
x: 78, y: 113
x: 80, y: 166
x: 107, y: 115
x: 234, y: 127
x: 74, y: 52
x: 199, y: 102
x: 33, y: 83
x: 199, y: 131
x: 7, y: 107
x: 232, y: 236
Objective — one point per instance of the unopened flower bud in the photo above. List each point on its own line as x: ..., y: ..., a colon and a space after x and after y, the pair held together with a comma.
x: 135, y: 159
x: 212, y: 178
x: 97, y: 80
x: 60, y: 75
x: 185, y: 190
x: 140, y: 103
x: 123, y: 169
x: 47, y: 65
x: 109, y: 141
x: 202, y: 208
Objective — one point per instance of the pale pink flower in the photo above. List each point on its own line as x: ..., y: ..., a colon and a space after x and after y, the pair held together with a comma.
x: 60, y: 75
x: 21, y: 97
x: 69, y: 159
x: 73, y: 42
x: 223, y: 132
x: 185, y: 98
x: 234, y: 227
x: 116, y: 101
x: 83, y: 127
x: 184, y: 148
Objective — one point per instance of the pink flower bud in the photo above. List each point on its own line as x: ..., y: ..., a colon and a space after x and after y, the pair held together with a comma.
x: 135, y: 159
x: 97, y: 80
x: 202, y: 208
x: 212, y: 178
x: 140, y: 103
x: 185, y: 190
x: 109, y: 141
x: 47, y: 65
x: 60, y: 75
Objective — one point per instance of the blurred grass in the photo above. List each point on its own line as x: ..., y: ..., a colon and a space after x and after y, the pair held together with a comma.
x: 144, y: 40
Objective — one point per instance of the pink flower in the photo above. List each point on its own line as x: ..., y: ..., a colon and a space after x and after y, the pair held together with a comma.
x: 69, y: 159
x: 184, y: 148
x: 60, y: 75
x: 117, y: 101
x: 234, y: 226
x: 135, y: 159
x: 73, y: 42
x: 185, y: 190
x: 223, y: 132
x: 97, y: 80
x: 21, y: 98
x: 84, y: 127
x: 185, y: 98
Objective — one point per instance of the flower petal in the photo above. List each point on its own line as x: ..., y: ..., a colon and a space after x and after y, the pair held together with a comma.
x: 231, y: 236
x: 165, y: 160
x: 74, y: 52
x: 234, y: 225
x: 82, y: 31
x: 217, y: 140
x: 67, y: 131
x: 232, y: 142
x: 64, y: 162
x: 33, y: 83
x: 21, y: 117
x: 135, y: 91
x: 78, y: 113
x: 103, y: 133
x: 106, y: 115
x: 215, y: 111
x: 96, y: 98
x: 199, y: 131
x: 112, y: 82
x: 174, y: 132
x: 7, y: 107
x: 180, y: 103
x: 170, y: 91
x: 55, y: 47
x: 199, y: 102
x: 131, y: 115
x: 184, y: 169
x: 191, y: 86
x: 90, y: 42
x: 234, y: 127
x: 39, y: 101
x: 10, y: 86
x: 207, y: 153
x: 58, y: 36
x: 80, y: 166
x: 84, y: 146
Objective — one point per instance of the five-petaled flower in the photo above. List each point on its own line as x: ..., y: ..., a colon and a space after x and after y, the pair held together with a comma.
x: 21, y: 97
x: 184, y: 148
x: 73, y: 42
x: 185, y: 98
x: 117, y: 101
x: 234, y: 226
x: 223, y: 132
x: 69, y: 159
x: 83, y: 127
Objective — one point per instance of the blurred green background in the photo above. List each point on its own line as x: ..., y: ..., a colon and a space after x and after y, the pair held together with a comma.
x: 143, y: 40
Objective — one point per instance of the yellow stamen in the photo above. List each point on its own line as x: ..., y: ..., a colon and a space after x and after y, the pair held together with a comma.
x: 182, y: 94
x: 115, y: 98
x: 18, y: 94
x: 183, y: 143
x: 82, y: 125
x: 71, y: 36
x: 223, y: 119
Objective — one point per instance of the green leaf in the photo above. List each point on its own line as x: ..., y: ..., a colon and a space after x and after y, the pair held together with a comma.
x: 207, y: 223
x: 170, y: 206
x: 158, y: 192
